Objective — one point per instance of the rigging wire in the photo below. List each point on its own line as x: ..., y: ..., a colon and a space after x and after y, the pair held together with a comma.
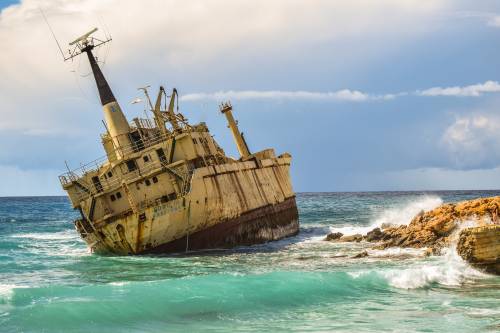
x: 52, y: 32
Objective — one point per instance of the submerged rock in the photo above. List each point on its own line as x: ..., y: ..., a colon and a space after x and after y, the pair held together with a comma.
x: 340, y: 237
x: 333, y: 236
x: 351, y: 238
x: 361, y: 255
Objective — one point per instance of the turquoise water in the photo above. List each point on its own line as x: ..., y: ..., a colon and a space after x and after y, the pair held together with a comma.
x: 49, y: 282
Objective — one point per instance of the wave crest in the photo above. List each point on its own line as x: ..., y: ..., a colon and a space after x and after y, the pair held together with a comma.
x: 400, y: 215
x: 448, y: 270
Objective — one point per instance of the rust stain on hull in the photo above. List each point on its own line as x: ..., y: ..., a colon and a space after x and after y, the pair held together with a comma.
x: 260, y: 225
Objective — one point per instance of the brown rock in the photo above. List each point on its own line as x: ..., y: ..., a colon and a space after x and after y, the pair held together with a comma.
x: 387, y: 226
x: 480, y: 246
x: 351, y: 238
x: 333, y: 236
x: 375, y: 235
x: 361, y: 255
x: 434, y: 228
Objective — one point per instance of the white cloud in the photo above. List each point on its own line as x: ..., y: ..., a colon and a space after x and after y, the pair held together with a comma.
x: 472, y: 90
x: 184, y: 39
x: 473, y: 141
x: 340, y: 95
x: 490, y: 18
x: 494, y: 21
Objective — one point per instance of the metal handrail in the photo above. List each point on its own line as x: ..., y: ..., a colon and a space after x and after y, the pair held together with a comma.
x: 94, y: 165
x: 117, y: 182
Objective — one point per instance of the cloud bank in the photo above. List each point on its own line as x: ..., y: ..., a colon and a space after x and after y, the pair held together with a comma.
x: 472, y: 141
x: 178, y: 38
x: 349, y: 95
x: 472, y: 90
x: 340, y: 95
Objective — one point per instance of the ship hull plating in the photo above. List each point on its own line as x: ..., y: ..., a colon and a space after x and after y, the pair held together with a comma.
x: 261, y: 225
x: 243, y: 203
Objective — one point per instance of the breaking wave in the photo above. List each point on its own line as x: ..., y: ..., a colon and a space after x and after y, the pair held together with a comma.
x: 61, y: 235
x: 448, y: 270
x: 401, y: 215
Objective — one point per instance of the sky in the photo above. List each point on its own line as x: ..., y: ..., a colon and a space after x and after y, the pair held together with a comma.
x: 366, y: 95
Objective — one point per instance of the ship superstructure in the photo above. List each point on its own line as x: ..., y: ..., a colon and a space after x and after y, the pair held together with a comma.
x: 167, y: 186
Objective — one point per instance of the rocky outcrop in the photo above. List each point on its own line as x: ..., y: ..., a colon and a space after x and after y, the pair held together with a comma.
x: 439, y: 227
x: 433, y: 229
x: 480, y: 246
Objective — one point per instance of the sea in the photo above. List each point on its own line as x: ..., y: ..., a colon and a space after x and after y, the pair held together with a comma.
x: 49, y: 282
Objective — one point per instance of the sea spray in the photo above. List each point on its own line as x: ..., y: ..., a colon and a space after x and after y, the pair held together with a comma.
x: 402, y: 214
x: 446, y: 270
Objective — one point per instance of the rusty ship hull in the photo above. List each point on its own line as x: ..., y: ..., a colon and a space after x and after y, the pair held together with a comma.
x: 165, y: 185
x: 229, y: 205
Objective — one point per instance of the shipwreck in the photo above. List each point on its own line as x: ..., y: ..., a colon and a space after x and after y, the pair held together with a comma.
x: 165, y: 185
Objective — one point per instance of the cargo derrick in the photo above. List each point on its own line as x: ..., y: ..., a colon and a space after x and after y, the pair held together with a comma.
x: 172, y: 188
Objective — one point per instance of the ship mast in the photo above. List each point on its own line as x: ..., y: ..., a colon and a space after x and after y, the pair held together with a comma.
x: 227, y: 110
x: 116, y: 121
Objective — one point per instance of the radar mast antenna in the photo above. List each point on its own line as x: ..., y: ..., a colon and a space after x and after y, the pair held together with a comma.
x: 85, y: 43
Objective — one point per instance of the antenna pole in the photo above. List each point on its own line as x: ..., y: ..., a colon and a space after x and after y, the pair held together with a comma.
x: 52, y: 32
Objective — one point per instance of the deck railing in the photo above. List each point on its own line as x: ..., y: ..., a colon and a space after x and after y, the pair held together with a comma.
x: 86, y: 190
x: 94, y: 165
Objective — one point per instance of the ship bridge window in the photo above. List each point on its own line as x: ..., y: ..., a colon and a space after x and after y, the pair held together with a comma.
x: 110, y: 174
x: 145, y: 158
x: 131, y: 165
x: 147, y: 182
x: 161, y: 155
x: 194, y: 141
x: 135, y: 138
x: 118, y: 195
x: 112, y: 197
x: 155, y: 179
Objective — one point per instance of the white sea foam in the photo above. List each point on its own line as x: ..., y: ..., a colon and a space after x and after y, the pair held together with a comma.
x: 118, y: 283
x: 485, y: 312
x: 61, y: 235
x: 401, y: 215
x: 57, y: 244
x: 7, y: 290
x: 447, y: 270
x: 396, y: 252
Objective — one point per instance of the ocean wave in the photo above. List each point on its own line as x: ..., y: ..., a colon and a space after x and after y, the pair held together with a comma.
x: 401, y: 215
x: 60, y: 235
x: 6, y: 291
x: 448, y: 270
